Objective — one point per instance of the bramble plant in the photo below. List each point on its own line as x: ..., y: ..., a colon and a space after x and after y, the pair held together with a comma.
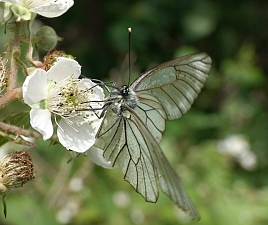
x: 52, y: 88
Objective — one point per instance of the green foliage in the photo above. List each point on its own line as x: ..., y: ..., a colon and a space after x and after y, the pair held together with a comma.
x: 21, y: 119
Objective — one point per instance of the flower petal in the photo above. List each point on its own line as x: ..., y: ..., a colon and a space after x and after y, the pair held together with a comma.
x: 35, y: 3
x: 95, y: 124
x: 96, y: 155
x: 41, y: 121
x: 51, y: 8
x: 63, y: 68
x: 76, y: 137
x: 96, y: 95
x: 98, y: 91
x: 34, y: 88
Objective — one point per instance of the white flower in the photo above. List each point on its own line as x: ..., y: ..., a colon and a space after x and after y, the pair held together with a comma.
x: 96, y: 155
x: 239, y: 148
x: 46, y: 8
x: 58, y: 91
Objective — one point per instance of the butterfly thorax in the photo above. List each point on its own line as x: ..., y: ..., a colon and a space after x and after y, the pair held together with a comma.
x: 123, y: 98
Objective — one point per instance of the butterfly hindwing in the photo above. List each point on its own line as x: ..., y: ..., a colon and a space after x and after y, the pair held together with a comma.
x: 169, y: 181
x: 150, y: 111
x: 124, y: 147
x: 128, y: 144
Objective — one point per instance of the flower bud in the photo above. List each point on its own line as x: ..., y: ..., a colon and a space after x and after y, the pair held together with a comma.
x: 16, y: 169
x: 47, y: 37
x: 51, y: 57
x: 15, y: 12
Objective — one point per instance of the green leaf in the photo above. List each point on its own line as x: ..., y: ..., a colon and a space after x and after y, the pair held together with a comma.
x: 3, y: 140
x: 21, y: 119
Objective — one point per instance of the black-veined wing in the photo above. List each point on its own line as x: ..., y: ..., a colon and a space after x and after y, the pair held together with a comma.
x: 176, y: 84
x: 135, y: 120
x: 128, y: 144
x: 122, y: 150
x: 151, y: 112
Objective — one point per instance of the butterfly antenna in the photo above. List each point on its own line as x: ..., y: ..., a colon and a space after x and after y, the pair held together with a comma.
x: 129, y: 39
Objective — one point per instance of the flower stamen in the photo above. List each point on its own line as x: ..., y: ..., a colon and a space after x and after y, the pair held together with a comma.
x: 68, y: 99
x: 58, y: 123
x: 3, y: 74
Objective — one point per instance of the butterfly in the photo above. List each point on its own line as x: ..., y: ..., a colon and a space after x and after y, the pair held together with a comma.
x: 134, y: 122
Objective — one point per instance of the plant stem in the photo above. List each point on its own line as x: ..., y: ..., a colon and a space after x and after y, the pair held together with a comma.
x: 10, y: 95
x: 19, y: 130
x: 15, y: 51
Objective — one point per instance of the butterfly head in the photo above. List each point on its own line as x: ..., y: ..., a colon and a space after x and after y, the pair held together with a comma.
x: 124, y: 91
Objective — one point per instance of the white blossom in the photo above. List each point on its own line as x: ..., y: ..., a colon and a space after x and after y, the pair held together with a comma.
x: 239, y: 148
x: 96, y: 155
x: 46, y: 8
x: 72, y: 102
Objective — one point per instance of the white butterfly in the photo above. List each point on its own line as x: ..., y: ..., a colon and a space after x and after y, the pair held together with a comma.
x: 134, y: 122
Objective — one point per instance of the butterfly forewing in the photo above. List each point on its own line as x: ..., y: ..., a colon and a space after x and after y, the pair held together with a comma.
x: 176, y: 84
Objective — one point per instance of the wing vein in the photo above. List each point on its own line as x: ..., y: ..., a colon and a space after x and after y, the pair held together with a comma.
x: 171, y: 100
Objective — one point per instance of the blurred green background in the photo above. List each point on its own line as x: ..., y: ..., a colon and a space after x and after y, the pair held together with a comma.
x: 219, y: 148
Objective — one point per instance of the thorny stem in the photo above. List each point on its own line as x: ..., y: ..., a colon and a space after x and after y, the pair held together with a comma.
x: 19, y: 131
x: 14, y: 51
x: 13, y: 92
x: 10, y: 95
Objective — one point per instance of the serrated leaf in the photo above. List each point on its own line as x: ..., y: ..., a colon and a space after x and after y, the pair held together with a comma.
x: 3, y: 140
x: 21, y: 119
